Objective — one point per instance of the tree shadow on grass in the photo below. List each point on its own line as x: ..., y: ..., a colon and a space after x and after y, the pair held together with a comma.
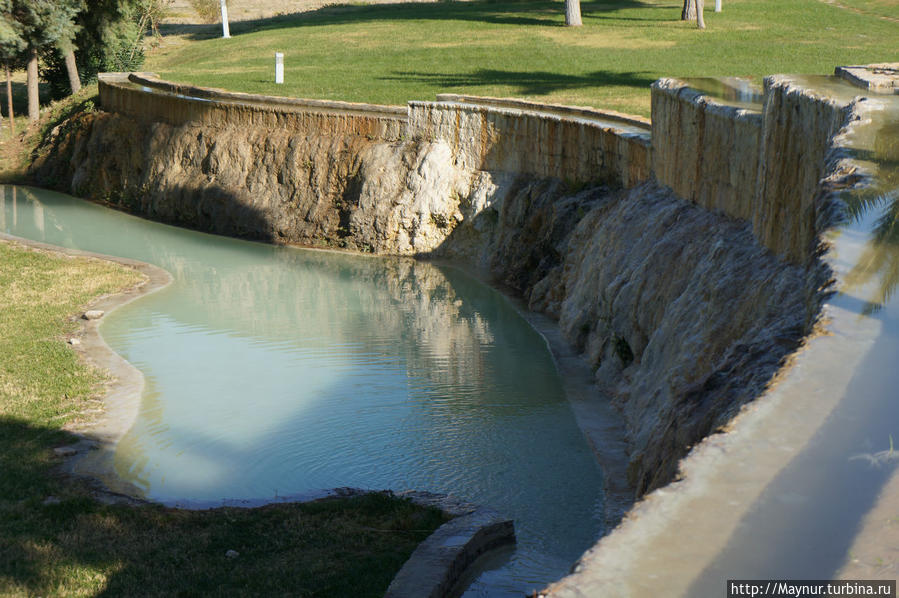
x: 20, y: 97
x: 523, y: 12
x: 54, y: 534
x: 528, y: 82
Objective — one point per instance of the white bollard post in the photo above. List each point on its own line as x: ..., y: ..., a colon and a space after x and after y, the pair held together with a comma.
x: 225, y: 30
x: 717, y: 5
x: 279, y: 67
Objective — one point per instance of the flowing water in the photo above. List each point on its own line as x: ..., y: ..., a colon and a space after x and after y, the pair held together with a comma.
x: 273, y: 371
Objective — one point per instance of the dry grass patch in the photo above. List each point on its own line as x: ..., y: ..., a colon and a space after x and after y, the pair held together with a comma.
x: 604, y: 39
x: 885, y: 9
x: 181, y: 11
x: 40, y: 291
x: 481, y: 43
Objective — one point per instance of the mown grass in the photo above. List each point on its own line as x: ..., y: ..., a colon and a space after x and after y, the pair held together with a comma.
x: 57, y: 540
x: 882, y: 8
x: 393, y: 53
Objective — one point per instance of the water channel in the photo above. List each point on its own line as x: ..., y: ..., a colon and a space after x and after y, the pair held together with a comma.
x: 272, y: 371
x: 815, y: 512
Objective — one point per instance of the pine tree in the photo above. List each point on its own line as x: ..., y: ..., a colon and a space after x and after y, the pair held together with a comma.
x: 11, y: 47
x: 43, y: 24
x: 110, y: 37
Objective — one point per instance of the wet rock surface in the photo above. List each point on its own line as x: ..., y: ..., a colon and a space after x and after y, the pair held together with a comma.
x: 336, y: 191
x: 879, y: 78
x: 682, y: 314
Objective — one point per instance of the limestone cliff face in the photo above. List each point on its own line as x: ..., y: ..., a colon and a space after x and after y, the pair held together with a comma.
x: 269, y: 183
x: 681, y: 312
x: 761, y: 165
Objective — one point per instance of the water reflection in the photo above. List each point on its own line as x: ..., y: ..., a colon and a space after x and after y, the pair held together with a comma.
x: 740, y: 92
x: 879, y: 262
x: 273, y: 371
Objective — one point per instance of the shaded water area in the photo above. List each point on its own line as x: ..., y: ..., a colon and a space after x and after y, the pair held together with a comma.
x: 273, y: 371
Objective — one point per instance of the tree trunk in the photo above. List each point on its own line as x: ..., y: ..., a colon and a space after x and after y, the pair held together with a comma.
x: 12, y: 120
x: 72, y: 70
x: 573, y: 13
x: 34, y: 106
x: 226, y: 31
x: 700, y: 21
x: 688, y: 13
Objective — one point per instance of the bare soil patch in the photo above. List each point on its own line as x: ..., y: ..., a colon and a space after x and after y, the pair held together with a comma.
x: 182, y: 13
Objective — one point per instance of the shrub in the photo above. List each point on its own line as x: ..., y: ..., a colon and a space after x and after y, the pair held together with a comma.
x: 207, y: 10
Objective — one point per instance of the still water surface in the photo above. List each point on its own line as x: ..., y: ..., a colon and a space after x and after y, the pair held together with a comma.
x: 273, y: 371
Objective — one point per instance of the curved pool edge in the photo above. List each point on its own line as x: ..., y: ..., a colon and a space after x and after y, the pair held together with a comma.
x: 92, y: 456
x: 434, y: 569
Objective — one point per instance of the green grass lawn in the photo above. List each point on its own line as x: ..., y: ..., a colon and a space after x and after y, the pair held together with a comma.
x: 882, y: 8
x: 393, y: 53
x: 72, y: 545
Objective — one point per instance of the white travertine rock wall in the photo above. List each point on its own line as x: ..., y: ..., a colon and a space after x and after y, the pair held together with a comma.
x: 145, y: 97
x: 682, y: 315
x: 762, y: 167
x: 268, y: 183
x: 489, y: 138
x: 797, y: 134
x: 671, y: 293
x: 707, y: 153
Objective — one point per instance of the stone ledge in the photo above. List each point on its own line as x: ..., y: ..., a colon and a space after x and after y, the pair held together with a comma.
x: 146, y: 97
x: 878, y: 78
x: 559, y: 110
x: 631, y: 132
x: 682, y: 90
x: 152, y: 81
x: 438, y: 564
